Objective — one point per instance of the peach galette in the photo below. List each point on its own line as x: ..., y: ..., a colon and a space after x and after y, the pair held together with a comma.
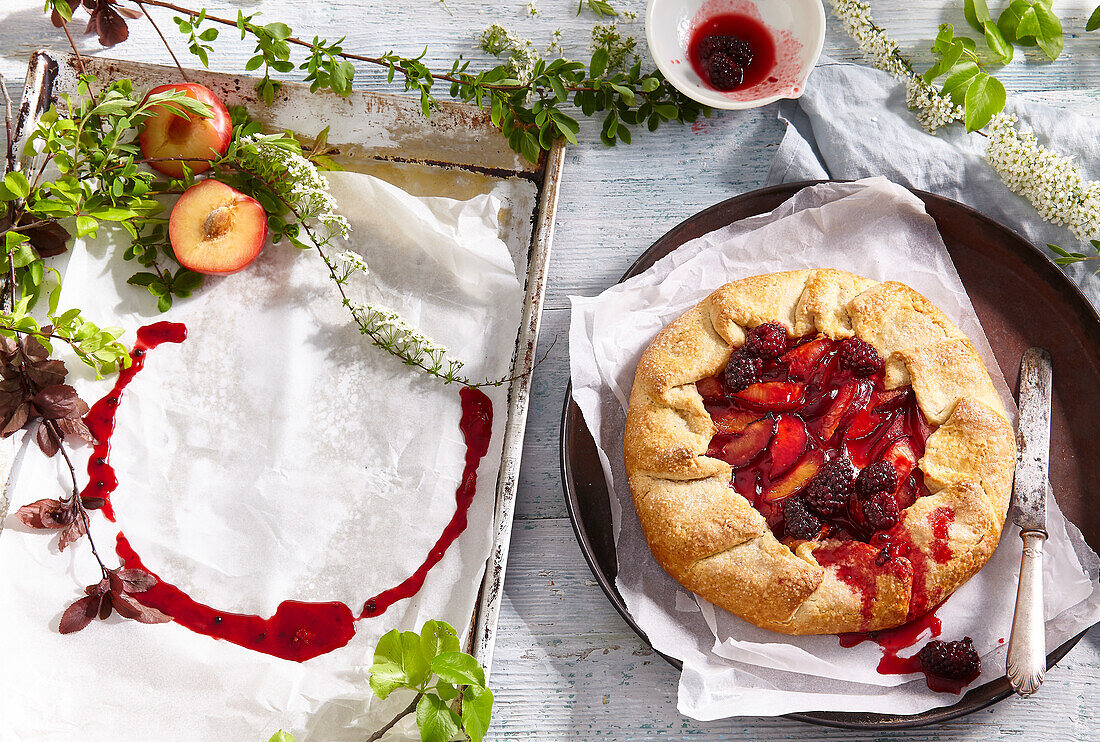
x: 818, y: 452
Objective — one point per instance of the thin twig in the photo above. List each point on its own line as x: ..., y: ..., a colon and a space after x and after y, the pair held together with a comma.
x: 167, y: 46
x: 408, y: 710
x: 25, y: 227
x: 10, y: 152
x: 78, y: 503
x: 348, y: 55
x: 69, y: 36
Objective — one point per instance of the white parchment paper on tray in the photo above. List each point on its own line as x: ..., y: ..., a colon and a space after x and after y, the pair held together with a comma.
x: 275, y: 455
x: 732, y: 668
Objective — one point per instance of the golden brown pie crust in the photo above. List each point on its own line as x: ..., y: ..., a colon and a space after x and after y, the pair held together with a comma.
x: 717, y: 545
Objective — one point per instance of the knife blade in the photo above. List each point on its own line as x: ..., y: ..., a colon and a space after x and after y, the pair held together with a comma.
x: 1026, y: 660
x: 1029, y: 488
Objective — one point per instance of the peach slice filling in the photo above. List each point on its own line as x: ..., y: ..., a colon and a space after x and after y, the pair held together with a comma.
x: 807, y: 409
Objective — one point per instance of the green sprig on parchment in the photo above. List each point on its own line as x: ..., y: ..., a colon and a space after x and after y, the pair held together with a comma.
x: 431, y: 666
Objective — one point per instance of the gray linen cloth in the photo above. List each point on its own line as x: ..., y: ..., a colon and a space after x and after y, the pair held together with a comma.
x: 852, y: 123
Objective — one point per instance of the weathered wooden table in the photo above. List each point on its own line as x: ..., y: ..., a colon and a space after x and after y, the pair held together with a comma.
x: 566, y: 666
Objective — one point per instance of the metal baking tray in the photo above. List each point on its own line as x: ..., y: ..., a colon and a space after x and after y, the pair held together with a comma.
x: 456, y: 152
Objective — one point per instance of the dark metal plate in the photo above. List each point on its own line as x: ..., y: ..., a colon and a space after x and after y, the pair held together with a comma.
x: 1022, y: 300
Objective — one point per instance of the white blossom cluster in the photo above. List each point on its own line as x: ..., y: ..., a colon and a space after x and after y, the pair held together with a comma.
x: 352, y: 262
x: 875, y: 43
x: 522, y: 56
x: 297, y: 181
x: 932, y: 108
x: 391, y: 331
x: 1051, y: 182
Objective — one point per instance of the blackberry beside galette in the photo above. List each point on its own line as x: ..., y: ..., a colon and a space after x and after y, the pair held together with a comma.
x: 818, y: 452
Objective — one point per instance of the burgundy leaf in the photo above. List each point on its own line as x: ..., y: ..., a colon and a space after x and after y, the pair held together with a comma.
x: 49, y: 239
x: 45, y: 441
x: 128, y: 607
x: 45, y: 514
x: 105, y: 606
x: 47, y: 373
x: 59, y: 400
x: 75, y: 426
x: 99, y: 588
x: 16, y: 421
x: 106, y: 23
x: 71, y: 533
x: 79, y: 614
x: 32, y: 349
x: 128, y: 12
x: 136, y: 580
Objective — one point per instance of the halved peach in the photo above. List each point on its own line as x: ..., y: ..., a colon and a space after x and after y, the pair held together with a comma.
x: 750, y: 443
x: 788, y: 445
x: 777, y: 396
x: 797, y: 479
x: 168, y: 134
x: 216, y: 229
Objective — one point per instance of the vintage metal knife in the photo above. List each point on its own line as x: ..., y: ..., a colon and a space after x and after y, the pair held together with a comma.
x: 1027, y: 644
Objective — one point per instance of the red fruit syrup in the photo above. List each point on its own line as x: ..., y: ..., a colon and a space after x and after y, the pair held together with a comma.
x: 712, y: 51
x: 297, y: 631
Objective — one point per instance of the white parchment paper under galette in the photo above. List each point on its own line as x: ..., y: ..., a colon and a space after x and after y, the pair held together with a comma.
x: 275, y: 455
x: 732, y: 668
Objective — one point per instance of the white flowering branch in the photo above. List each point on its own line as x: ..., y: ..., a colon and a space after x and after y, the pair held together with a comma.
x: 1053, y: 184
x: 275, y: 164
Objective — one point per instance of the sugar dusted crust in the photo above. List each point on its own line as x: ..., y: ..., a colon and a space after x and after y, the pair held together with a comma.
x: 716, y: 544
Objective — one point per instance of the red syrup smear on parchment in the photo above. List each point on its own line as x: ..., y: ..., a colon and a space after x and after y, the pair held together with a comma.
x: 297, y: 631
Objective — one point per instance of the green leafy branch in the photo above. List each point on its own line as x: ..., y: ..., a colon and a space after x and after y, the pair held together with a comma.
x: 1069, y: 258
x: 1024, y: 23
x: 91, y: 143
x: 531, y: 109
x: 432, y: 666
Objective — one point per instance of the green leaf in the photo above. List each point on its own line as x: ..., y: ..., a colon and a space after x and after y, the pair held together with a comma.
x: 279, y: 31
x: 86, y: 225
x: 650, y: 84
x: 950, y: 56
x: 436, y: 720
x: 997, y: 43
x: 984, y: 99
x: 959, y: 79
x: 458, y: 668
x: 477, y: 710
x: 1094, y: 20
x: 1029, y: 24
x: 17, y: 184
x: 388, y: 671
x: 1049, y: 38
x: 437, y: 637
x: 281, y: 736
x: 977, y: 13
x: 599, y: 62
x: 142, y: 279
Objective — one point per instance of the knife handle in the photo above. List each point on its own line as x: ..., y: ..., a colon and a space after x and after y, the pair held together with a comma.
x: 1027, y: 660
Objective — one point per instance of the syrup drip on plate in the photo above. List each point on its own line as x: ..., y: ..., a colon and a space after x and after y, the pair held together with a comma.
x: 298, y: 630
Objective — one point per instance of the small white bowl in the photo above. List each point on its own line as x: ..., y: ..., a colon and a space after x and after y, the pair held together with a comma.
x: 798, y: 27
